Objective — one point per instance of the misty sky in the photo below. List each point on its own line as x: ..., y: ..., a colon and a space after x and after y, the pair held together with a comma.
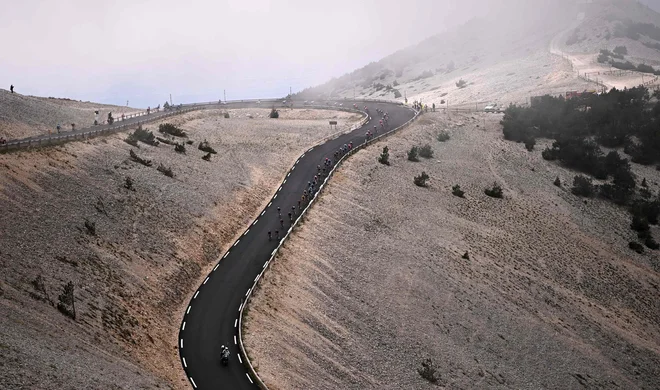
x: 142, y: 51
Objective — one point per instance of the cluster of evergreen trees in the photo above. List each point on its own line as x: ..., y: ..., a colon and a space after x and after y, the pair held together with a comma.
x: 580, y: 126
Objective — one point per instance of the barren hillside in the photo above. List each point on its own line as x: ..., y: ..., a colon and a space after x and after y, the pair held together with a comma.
x: 508, y: 57
x: 27, y: 116
x: 143, y: 249
x: 374, y: 282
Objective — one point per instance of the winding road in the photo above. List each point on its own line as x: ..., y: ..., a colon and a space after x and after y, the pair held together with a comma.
x: 212, y: 316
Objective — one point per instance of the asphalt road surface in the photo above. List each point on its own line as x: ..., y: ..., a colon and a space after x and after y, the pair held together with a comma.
x: 211, y: 319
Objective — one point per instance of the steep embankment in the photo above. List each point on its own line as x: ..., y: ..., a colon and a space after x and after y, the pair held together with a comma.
x: 149, y: 246
x: 27, y: 116
x: 375, y: 281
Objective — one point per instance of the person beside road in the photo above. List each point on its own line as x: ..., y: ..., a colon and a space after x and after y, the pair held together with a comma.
x: 11, y: 88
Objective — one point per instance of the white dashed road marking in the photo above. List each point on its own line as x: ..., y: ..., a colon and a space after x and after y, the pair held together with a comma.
x: 184, y: 363
x: 236, y: 243
x: 206, y: 280
x: 263, y: 212
x: 239, y: 358
x: 216, y: 267
x: 181, y: 343
x: 197, y: 293
x: 193, y: 382
x: 234, y: 339
x: 235, y: 322
x: 248, y: 292
x: 188, y: 311
x: 246, y: 232
x: 246, y: 374
x: 273, y: 254
x: 183, y: 327
x: 226, y: 254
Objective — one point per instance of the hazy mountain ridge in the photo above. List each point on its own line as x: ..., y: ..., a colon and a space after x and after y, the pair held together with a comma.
x: 514, y: 33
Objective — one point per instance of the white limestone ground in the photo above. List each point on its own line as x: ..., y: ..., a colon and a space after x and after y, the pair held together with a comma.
x: 374, y: 282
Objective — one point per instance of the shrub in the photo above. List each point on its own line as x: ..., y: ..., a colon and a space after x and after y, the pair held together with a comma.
x: 644, y: 183
x: 274, y: 114
x: 131, y: 140
x: 413, y: 154
x: 466, y: 256
x: 645, y: 68
x: 165, y: 170
x: 549, y: 154
x: 67, y: 304
x: 145, y: 136
x: 180, y: 148
x: 189, y: 142
x: 637, y: 247
x: 443, y: 136
x: 461, y: 83
x: 623, y: 65
x: 206, y: 157
x: 420, y: 180
x: 166, y: 106
x: 557, y: 182
x: 494, y: 192
x: 617, y: 194
x: 90, y: 226
x: 385, y: 156
x: 168, y: 128
x: 582, y: 186
x: 428, y: 371
x: 166, y: 141
x: 128, y: 183
x: 395, y: 83
x: 622, y: 50
x: 205, y: 146
x: 426, y: 151
x: 648, y: 210
x: 226, y: 115
x: 639, y: 224
x: 397, y: 94
x: 142, y: 161
x: 651, y: 243
x: 529, y: 143
x: 40, y: 286
x: 456, y: 191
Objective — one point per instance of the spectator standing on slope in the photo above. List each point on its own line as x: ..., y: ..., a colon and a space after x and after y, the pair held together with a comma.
x: 11, y: 88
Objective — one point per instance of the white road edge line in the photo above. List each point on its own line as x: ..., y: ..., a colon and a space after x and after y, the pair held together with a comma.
x: 183, y: 327
x: 240, y: 306
x: 226, y: 254
x: 274, y: 250
x: 235, y: 340
x: 279, y: 189
x: 184, y: 363
x: 235, y: 322
x: 248, y: 292
x: 288, y: 174
x: 248, y: 375
x: 181, y: 343
x: 206, y: 280
x: 275, y: 196
x: 266, y: 264
x: 239, y: 358
x: 193, y: 382
x: 284, y: 182
x: 255, y: 222
x: 263, y: 212
x: 188, y: 311
x: 269, y: 204
x: 236, y: 243
x: 246, y: 232
x: 257, y: 278
x: 216, y: 267
x: 197, y: 293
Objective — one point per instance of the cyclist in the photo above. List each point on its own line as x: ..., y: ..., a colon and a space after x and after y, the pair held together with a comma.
x: 279, y: 212
x: 270, y: 236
